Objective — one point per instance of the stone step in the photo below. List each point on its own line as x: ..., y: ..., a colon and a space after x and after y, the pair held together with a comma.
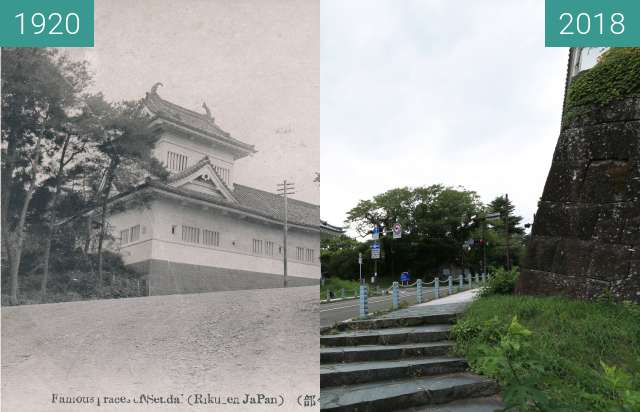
x: 485, y: 404
x: 362, y: 372
x: 392, y: 322
x: 366, y: 353
x: 392, y: 336
x: 395, y: 395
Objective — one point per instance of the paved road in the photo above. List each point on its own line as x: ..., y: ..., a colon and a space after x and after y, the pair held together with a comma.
x: 225, y: 343
x: 333, y: 312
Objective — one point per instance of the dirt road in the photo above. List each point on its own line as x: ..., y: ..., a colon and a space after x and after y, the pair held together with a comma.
x: 199, y: 349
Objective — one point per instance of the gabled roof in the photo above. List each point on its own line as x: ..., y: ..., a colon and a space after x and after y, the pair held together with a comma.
x: 189, y: 119
x: 203, y: 167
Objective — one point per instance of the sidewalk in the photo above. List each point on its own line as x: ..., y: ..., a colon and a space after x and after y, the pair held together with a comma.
x: 452, y: 304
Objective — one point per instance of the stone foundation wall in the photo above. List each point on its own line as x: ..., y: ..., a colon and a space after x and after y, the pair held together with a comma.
x: 586, y: 235
x: 167, y: 278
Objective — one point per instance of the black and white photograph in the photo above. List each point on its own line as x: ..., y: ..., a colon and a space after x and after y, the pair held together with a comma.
x: 160, y: 211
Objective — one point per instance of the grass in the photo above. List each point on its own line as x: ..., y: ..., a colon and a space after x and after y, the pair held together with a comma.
x: 564, y: 358
x: 335, y: 284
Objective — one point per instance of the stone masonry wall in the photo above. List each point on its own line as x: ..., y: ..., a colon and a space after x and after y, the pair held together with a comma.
x: 586, y: 235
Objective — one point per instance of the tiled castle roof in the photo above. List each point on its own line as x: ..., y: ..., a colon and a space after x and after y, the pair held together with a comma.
x: 254, y: 201
x: 190, y: 119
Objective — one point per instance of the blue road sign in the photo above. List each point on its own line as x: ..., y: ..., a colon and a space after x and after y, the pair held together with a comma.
x: 375, y: 250
x: 405, y: 277
x: 375, y: 233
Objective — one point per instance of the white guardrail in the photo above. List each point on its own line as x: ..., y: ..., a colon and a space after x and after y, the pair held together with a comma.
x: 398, y: 291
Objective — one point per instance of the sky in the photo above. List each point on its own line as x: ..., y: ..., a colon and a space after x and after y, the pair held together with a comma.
x: 255, y: 64
x: 415, y: 93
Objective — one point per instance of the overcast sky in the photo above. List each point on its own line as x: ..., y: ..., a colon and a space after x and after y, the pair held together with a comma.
x: 437, y: 91
x: 255, y: 63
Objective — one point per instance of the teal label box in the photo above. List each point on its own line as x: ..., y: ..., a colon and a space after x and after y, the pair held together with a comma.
x: 592, y: 23
x: 46, y: 23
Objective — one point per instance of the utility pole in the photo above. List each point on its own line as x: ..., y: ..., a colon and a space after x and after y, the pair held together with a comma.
x: 484, y: 244
x: 284, y: 189
x: 506, y: 197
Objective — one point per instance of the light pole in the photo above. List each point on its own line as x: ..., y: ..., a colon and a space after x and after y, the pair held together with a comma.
x: 284, y: 189
x: 506, y: 197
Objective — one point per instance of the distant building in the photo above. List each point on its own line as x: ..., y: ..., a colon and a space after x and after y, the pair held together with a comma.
x: 202, y: 230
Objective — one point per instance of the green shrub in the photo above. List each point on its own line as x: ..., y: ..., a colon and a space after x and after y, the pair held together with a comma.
x: 615, y: 76
x: 501, y: 282
x: 555, y: 354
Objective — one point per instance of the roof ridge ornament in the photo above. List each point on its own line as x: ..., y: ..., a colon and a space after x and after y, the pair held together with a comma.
x: 154, y: 88
x: 207, y: 111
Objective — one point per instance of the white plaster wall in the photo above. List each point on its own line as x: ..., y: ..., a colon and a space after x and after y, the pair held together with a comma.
x: 194, y: 150
x: 236, y: 240
x: 133, y: 251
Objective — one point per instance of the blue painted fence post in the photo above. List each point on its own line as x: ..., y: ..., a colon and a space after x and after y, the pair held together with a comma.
x: 484, y: 278
x: 328, y: 295
x: 477, y: 277
x: 450, y: 285
x: 461, y: 282
x: 419, y: 290
x: 395, y: 298
x: 470, y: 279
x: 364, y: 301
x: 436, y: 287
x: 342, y: 293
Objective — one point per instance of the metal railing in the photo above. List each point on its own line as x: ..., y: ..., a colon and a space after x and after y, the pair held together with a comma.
x: 399, y: 291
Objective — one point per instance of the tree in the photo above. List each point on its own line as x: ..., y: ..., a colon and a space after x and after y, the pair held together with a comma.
x: 339, y: 256
x: 504, y: 206
x: 38, y: 87
x: 124, y: 142
x: 431, y: 218
x: 509, y: 228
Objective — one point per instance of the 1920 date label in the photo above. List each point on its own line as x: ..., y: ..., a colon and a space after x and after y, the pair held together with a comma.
x: 46, y: 23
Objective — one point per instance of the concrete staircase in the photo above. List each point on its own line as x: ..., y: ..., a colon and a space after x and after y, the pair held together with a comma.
x: 399, y: 363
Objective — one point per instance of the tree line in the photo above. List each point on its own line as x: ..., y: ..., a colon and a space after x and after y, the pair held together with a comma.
x: 66, y: 151
x: 443, y: 228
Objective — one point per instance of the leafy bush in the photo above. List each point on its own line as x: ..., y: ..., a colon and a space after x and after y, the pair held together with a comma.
x: 501, y: 282
x: 73, y: 277
x: 555, y: 354
x: 615, y: 76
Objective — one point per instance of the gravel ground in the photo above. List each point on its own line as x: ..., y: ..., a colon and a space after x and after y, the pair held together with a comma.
x: 222, y: 344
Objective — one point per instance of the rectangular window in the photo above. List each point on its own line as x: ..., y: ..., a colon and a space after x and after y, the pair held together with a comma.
x: 269, y: 247
x: 310, y: 255
x: 176, y: 161
x: 223, y: 172
x: 124, y: 236
x: 135, y: 233
x: 190, y: 234
x: 210, y: 237
x: 300, y: 253
x: 257, y: 246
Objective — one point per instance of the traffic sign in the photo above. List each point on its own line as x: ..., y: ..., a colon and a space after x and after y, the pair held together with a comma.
x: 404, y: 277
x: 397, y: 231
x: 375, y: 233
x: 375, y: 250
x: 360, y: 258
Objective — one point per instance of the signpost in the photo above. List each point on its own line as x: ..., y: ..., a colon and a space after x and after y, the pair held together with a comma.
x: 375, y: 250
x: 360, y: 264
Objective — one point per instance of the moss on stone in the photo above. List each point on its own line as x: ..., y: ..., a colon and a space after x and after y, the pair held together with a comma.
x: 615, y: 76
